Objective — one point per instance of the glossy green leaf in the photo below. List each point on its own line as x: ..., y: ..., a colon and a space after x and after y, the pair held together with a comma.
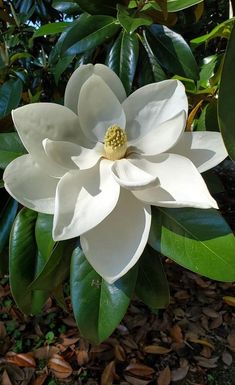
x: 51, y: 29
x: 87, y: 33
x: 197, y: 239
x: 172, y: 51
x: 130, y: 23
x: 19, y: 56
x: 66, y: 6
x: 10, y: 95
x: 152, y: 286
x: 123, y: 58
x: 56, y: 268
x: 43, y: 234
x: 7, y: 217
x: 226, y: 101
x: 222, y: 30
x: 208, y: 119
x: 24, y: 263
x: 10, y: 148
x: 172, y: 5
x: 97, y: 7
x: 61, y: 66
x: 151, y: 63
x: 98, y: 307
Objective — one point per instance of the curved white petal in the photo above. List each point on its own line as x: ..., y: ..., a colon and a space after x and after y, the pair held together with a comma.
x: 181, y: 185
x: 116, y: 244
x: 98, y: 109
x: 162, y: 137
x: 37, y: 121
x: 88, y: 157
x: 205, y: 148
x: 152, y: 105
x: 29, y: 185
x: 81, y: 74
x: 83, y: 200
x: 131, y: 177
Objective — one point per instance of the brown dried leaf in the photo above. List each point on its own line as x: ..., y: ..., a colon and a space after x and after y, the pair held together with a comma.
x: 45, y: 352
x: 109, y: 374
x: 164, y: 376
x: 22, y: 359
x: 40, y: 379
x: 136, y: 381
x: 211, y: 313
x: 69, y: 341
x: 176, y: 333
x: 231, y: 339
x: 60, y: 367
x: 227, y: 358
x: 140, y: 370
x: 5, y: 379
x: 229, y: 300
x: 179, y: 374
x: 119, y: 353
x: 206, y: 352
x: 206, y: 362
x: 3, y: 332
x: 156, y: 349
x: 202, y: 342
x: 216, y: 322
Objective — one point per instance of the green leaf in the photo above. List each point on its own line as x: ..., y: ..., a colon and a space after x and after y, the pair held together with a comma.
x: 43, y: 234
x: 10, y: 148
x: 226, y: 101
x: 58, y: 294
x: 61, y: 66
x: 129, y: 23
x: 6, y: 221
x: 87, y: 33
x: 56, y: 268
x: 208, y: 119
x: 24, y: 263
x: 152, y: 286
x: 10, y: 95
x: 98, y: 307
x: 172, y: 51
x: 222, y: 30
x: 51, y: 29
x: 172, y: 5
x: 155, y: 67
x: 19, y: 56
x: 197, y: 239
x: 97, y: 7
x: 123, y: 58
x: 66, y: 6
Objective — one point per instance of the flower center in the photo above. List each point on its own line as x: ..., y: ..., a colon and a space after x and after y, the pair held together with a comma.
x: 115, y: 142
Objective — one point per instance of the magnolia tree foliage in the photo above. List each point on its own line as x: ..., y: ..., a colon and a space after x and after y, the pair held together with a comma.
x: 114, y: 179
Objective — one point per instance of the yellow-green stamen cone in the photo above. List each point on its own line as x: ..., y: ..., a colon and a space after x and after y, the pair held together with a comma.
x: 115, y: 142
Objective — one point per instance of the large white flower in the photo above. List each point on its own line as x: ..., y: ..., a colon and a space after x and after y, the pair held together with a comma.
x: 98, y: 163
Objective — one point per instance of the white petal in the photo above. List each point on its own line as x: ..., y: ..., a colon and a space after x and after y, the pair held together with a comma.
x: 113, y: 247
x: 88, y: 157
x: 98, y: 109
x: 131, y: 177
x: 83, y: 200
x: 181, y: 185
x: 37, y: 121
x: 152, y: 105
x: 205, y: 148
x: 162, y: 137
x: 29, y: 185
x: 81, y: 74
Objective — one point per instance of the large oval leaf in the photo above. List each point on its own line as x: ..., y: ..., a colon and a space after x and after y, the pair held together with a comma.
x: 226, y: 102
x: 24, y: 263
x: 98, y: 306
x: 172, y: 51
x: 10, y: 148
x: 105, y: 7
x: 10, y: 95
x: 123, y: 58
x: 197, y: 239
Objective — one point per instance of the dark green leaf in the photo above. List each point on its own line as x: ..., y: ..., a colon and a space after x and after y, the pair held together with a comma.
x: 172, y: 51
x: 66, y: 6
x: 24, y: 263
x: 208, y: 119
x: 51, y: 29
x: 98, y: 307
x: 10, y: 148
x: 172, y: 5
x: 221, y: 30
x: 123, y: 58
x: 10, y: 95
x: 88, y: 33
x: 155, y: 67
x: 97, y: 7
x: 152, y: 286
x: 6, y: 221
x: 226, y: 102
x: 61, y: 66
x: 130, y: 23
x: 197, y: 239
x: 43, y: 234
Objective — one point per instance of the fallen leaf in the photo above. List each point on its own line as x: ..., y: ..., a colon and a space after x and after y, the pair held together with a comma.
x: 45, y: 352
x: 40, y: 379
x: 109, y: 374
x: 206, y: 362
x: 5, y: 379
x: 60, y: 368
x: 136, y: 381
x: 164, y: 376
x: 119, y: 353
x: 227, y: 358
x: 202, y: 342
x: 176, y: 333
x: 229, y: 300
x: 140, y: 370
x: 156, y: 349
x: 3, y: 332
x: 22, y: 359
x: 211, y: 313
x: 179, y: 374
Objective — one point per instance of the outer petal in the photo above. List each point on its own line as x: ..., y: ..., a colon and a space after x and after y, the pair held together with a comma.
x: 83, y: 200
x: 70, y: 156
x: 29, y: 185
x: 35, y: 122
x: 98, y: 109
x: 131, y: 177
x: 114, y: 246
x: 152, y: 105
x: 81, y: 74
x: 161, y: 138
x: 205, y: 149
x: 181, y: 185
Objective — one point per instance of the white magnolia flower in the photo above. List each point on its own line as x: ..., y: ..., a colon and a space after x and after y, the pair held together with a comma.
x: 98, y: 163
